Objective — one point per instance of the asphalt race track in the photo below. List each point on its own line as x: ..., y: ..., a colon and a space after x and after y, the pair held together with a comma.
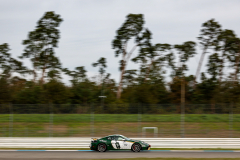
x: 74, y: 155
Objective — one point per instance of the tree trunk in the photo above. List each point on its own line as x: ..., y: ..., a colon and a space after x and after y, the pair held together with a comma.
x: 236, y: 67
x: 125, y: 60
x: 200, y: 64
x: 183, y: 95
x: 34, y: 65
x: 147, y: 73
x: 34, y: 75
x: 34, y: 71
x: 221, y: 70
x: 122, y: 72
x: 120, y: 84
x: 42, y: 78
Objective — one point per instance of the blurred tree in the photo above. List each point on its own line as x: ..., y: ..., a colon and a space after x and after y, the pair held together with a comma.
x: 30, y: 94
x: 146, y: 53
x: 101, y: 63
x: 234, y: 55
x: 224, y: 46
x: 129, y: 78
x: 56, y: 92
x: 8, y: 66
x: 109, y: 89
x: 78, y: 75
x: 208, y: 38
x: 5, y: 58
x: 54, y: 74
x: 84, y: 92
x: 214, y: 66
x: 146, y: 85
x: 185, y: 51
x: 150, y: 56
x: 41, y: 43
x: 130, y: 29
x: 5, y: 92
x: 32, y: 50
x: 179, y: 86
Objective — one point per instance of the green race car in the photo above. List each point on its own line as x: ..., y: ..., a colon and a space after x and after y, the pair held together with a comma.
x: 118, y: 142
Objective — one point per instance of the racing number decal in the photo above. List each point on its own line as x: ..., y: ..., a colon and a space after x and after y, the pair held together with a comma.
x: 117, y: 145
x: 121, y: 144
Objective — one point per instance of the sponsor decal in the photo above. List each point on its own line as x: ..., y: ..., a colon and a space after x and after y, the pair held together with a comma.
x: 130, y: 141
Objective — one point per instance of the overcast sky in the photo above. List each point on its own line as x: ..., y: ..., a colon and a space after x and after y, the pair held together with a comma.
x: 89, y: 26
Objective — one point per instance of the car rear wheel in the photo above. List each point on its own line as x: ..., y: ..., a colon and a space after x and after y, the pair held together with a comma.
x: 102, y: 147
x: 136, y: 147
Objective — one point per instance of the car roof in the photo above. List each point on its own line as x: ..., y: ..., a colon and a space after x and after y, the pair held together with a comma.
x: 116, y: 135
x: 113, y: 135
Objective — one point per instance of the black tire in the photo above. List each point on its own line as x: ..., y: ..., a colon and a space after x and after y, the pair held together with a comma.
x: 102, y: 147
x: 136, y: 147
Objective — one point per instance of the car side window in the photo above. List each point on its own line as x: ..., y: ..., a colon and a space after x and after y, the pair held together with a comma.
x: 120, y: 138
x: 111, y: 138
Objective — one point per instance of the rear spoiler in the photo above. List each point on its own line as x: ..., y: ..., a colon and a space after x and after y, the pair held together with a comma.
x: 94, y: 139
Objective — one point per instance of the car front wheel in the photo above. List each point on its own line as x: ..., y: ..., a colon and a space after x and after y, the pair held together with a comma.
x: 136, y: 147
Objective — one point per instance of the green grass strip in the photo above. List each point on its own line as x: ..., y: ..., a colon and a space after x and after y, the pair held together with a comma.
x: 58, y: 118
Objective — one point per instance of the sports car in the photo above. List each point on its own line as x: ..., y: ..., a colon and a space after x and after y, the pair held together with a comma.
x: 118, y: 142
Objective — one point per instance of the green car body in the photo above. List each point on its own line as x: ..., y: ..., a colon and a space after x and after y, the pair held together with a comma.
x: 118, y: 142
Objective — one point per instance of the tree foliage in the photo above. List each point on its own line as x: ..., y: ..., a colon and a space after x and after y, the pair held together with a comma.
x: 162, y: 68
x: 41, y: 43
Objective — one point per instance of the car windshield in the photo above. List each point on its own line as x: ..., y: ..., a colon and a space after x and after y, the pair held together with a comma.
x: 125, y: 138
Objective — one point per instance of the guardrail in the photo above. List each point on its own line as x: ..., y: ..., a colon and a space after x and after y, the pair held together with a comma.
x: 16, y: 142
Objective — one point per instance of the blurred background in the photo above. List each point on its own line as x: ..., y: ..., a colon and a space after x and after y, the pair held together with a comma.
x: 71, y: 120
x: 152, y: 72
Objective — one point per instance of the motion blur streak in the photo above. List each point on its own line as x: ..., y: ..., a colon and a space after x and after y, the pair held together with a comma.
x: 96, y: 120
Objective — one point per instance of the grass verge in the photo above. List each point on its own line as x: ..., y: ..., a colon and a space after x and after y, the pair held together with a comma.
x: 59, y: 118
x: 80, y: 125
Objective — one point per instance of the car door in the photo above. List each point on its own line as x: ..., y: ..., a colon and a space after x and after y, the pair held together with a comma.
x: 123, y: 144
x: 115, y: 142
x: 109, y: 142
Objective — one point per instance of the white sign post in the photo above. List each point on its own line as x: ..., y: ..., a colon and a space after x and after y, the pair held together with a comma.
x: 144, y: 131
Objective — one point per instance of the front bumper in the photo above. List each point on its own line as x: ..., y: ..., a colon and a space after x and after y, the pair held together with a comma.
x: 146, y: 147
